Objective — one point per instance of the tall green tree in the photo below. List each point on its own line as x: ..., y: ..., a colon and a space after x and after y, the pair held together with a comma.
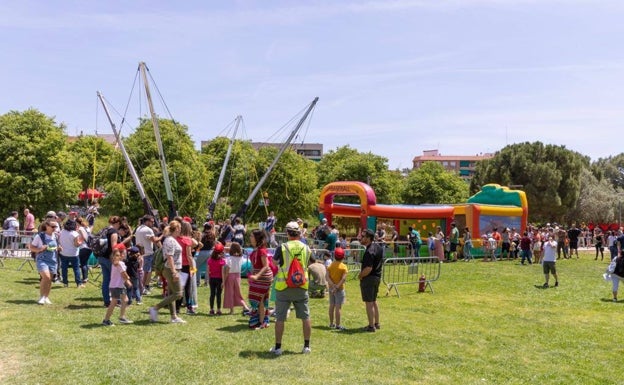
x: 34, y: 172
x: 188, y: 175
x: 348, y: 164
x: 598, y: 201
x: 431, y: 183
x: 611, y: 169
x: 548, y: 174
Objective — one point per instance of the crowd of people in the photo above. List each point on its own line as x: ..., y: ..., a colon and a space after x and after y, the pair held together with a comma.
x: 129, y: 266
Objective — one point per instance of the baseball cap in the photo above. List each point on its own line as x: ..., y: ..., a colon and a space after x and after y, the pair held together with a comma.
x: 368, y: 233
x: 218, y: 248
x: 120, y: 246
x: 292, y: 226
x: 134, y: 250
x: 339, y: 253
x: 51, y: 214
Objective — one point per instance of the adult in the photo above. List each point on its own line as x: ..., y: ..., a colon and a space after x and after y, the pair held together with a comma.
x: 172, y: 255
x: 562, y: 237
x: 226, y: 233
x: 285, y: 295
x: 549, y: 260
x: 112, y: 238
x: 573, y: 235
x: 330, y: 240
x: 525, y: 248
x: 84, y: 252
x: 69, y: 240
x: 598, y: 243
x: 318, y: 278
x: 259, y: 281
x: 45, y: 246
x: 454, y: 240
x: 10, y: 232
x: 239, y: 232
x: 186, y: 241
x: 145, y: 240
x: 617, y: 274
x: 505, y: 244
x: 29, y: 222
x: 370, y: 277
x: 620, y: 242
x: 612, y: 244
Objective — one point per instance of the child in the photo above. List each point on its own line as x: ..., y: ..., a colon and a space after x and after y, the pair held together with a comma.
x: 336, y: 277
x: 134, y: 265
x: 327, y: 259
x: 117, y: 288
x: 215, y: 276
x: 232, y: 277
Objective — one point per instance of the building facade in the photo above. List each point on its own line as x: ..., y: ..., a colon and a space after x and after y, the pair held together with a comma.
x: 462, y: 165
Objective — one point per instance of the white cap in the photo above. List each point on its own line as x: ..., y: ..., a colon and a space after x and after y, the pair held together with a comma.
x: 292, y: 226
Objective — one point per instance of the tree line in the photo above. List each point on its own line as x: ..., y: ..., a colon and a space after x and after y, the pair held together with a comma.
x: 42, y: 170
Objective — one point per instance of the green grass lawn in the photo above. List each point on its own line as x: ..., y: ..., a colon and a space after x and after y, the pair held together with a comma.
x: 487, y: 323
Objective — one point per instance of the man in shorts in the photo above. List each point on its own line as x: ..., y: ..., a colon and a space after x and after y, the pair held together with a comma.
x: 145, y: 240
x: 370, y: 278
x: 285, y: 295
x: 549, y: 259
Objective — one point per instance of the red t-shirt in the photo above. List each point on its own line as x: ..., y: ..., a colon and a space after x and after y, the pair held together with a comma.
x: 215, y: 267
x: 185, y: 242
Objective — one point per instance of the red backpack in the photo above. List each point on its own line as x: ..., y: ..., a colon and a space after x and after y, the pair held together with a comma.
x: 296, y: 274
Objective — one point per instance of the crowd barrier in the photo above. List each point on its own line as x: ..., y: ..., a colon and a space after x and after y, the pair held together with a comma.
x: 410, y: 271
x: 16, y: 247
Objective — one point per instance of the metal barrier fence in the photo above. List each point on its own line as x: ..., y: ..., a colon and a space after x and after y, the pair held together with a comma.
x: 408, y: 271
x: 16, y: 246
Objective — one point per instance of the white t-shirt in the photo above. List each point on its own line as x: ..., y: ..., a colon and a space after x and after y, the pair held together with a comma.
x: 234, y: 263
x: 144, y: 235
x: 13, y: 227
x: 66, y: 240
x: 550, y: 251
x: 172, y: 247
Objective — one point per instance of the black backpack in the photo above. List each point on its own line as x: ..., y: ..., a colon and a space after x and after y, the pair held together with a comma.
x: 619, y: 267
x: 98, y: 243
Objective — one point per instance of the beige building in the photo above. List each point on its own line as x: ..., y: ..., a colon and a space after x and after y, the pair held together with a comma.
x: 312, y: 151
x: 463, y: 165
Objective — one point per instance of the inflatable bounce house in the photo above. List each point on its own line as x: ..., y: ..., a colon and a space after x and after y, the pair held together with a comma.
x: 492, y: 207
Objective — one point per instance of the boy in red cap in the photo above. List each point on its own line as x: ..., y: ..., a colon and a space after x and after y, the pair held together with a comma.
x: 336, y: 277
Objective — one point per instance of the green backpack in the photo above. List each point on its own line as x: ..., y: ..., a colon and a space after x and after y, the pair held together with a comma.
x: 159, y: 261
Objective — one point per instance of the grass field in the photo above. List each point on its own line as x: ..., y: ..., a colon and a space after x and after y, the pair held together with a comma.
x: 487, y: 323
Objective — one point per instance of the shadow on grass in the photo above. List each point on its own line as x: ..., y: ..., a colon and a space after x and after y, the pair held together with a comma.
x: 542, y: 287
x: 89, y: 299
x: 609, y: 300
x: 266, y: 355
x: 29, y: 281
x: 22, y: 301
x: 234, y: 328
x: 140, y: 323
x: 83, y: 306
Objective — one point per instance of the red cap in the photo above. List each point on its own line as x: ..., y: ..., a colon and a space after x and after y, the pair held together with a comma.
x: 187, y: 219
x: 218, y: 248
x: 120, y: 246
x: 339, y: 253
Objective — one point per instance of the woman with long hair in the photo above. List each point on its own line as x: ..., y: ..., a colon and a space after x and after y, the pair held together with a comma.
x: 45, y: 246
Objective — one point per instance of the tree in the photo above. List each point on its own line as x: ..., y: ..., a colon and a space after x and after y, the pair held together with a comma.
x: 348, y: 164
x: 431, y: 183
x: 597, y: 201
x: 188, y: 175
x: 34, y: 172
x: 611, y: 169
x: 548, y: 174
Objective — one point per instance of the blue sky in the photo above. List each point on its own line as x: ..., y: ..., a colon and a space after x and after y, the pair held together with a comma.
x: 393, y: 77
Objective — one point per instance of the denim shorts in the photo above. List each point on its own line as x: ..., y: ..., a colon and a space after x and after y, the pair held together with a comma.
x: 117, y: 292
x: 46, y: 264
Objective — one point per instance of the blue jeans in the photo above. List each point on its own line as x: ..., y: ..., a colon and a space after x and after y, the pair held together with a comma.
x: 135, y: 292
x: 526, y: 254
x: 105, y: 265
x: 75, y: 264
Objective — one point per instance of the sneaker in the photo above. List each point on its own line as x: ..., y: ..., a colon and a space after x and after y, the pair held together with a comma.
x: 212, y: 312
x: 41, y: 301
x: 47, y: 301
x: 246, y: 312
x: 369, y: 328
x: 262, y: 326
x: 306, y: 350
x: 331, y: 326
x: 107, y: 322
x: 377, y: 326
x: 81, y: 286
x: 341, y: 328
x: 139, y: 303
x: 545, y: 285
x: 153, y: 314
x: 125, y: 321
x: 191, y: 312
x: 614, y: 299
x: 277, y: 352
x: 178, y: 320
x: 219, y: 312
x: 146, y: 292
x: 556, y: 283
